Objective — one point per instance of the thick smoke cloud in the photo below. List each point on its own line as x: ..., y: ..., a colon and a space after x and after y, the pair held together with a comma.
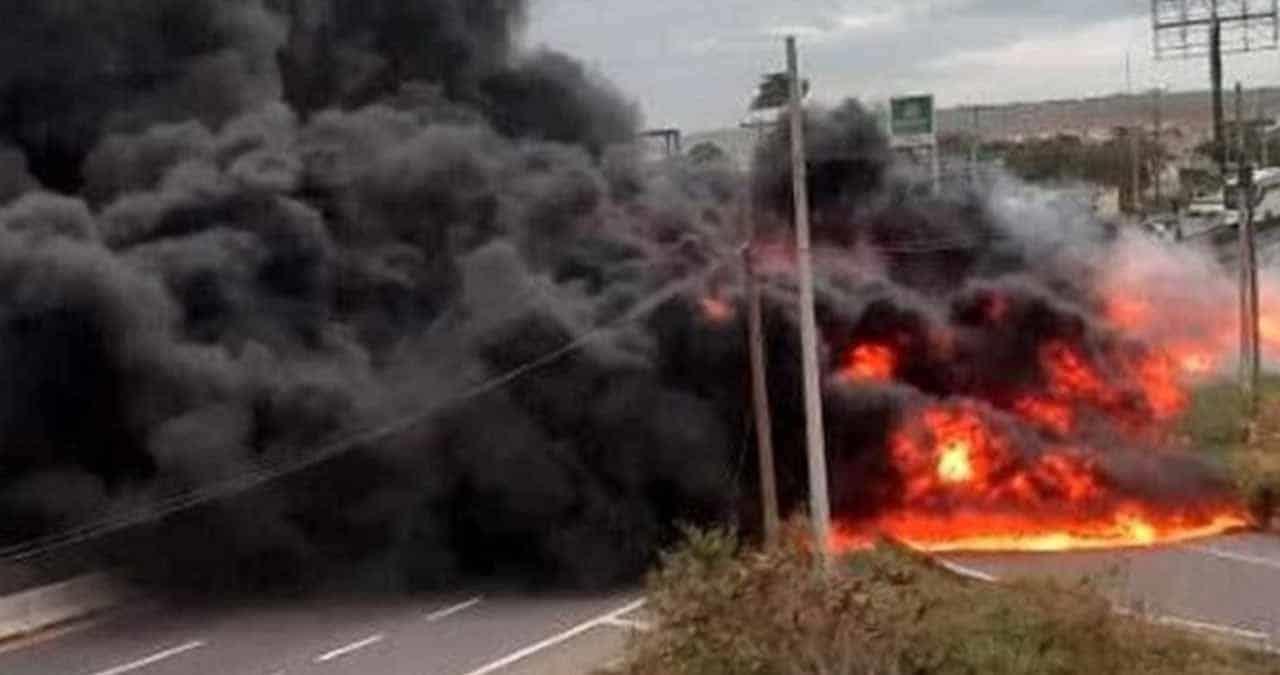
x: 233, y: 231
x: 72, y: 70
x: 279, y: 221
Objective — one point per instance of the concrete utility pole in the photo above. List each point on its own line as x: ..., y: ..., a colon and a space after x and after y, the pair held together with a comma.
x: 1250, y: 331
x: 1157, y: 169
x: 1135, y: 171
x: 760, y: 399
x: 1260, y: 118
x: 935, y: 167
x: 759, y: 373
x: 973, y: 147
x: 1264, y: 135
x: 819, y: 499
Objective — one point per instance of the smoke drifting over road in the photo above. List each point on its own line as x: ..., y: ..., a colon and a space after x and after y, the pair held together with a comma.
x: 236, y: 229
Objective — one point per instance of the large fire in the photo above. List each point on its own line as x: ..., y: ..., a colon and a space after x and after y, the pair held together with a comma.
x: 967, y: 486
x: 1031, y: 469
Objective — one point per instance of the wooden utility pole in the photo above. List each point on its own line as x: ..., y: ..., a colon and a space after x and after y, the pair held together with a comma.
x: 1250, y: 336
x: 760, y: 378
x: 819, y: 499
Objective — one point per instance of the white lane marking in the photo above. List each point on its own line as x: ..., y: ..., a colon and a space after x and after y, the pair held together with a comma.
x: 154, y: 658
x: 970, y: 572
x: 1170, y: 620
x: 629, y: 624
x: 1165, y: 619
x: 557, y: 639
x: 1237, y: 557
x: 353, y: 647
x: 450, y: 611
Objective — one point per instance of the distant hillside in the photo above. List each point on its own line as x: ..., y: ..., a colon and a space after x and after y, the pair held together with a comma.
x: 1096, y: 117
x: 1187, y: 119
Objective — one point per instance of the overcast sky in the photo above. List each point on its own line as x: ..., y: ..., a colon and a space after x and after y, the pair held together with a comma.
x: 694, y: 63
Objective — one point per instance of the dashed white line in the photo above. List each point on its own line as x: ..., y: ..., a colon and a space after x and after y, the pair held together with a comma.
x: 1237, y: 557
x: 154, y: 658
x: 557, y: 639
x: 450, y: 611
x: 353, y: 647
x: 970, y: 572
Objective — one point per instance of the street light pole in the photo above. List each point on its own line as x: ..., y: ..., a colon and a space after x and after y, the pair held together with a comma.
x: 819, y: 504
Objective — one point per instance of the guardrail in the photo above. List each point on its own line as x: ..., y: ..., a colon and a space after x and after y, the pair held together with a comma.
x: 48, y: 606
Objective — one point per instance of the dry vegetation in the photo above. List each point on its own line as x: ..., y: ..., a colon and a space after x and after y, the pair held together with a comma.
x: 722, y: 609
x: 1216, y: 424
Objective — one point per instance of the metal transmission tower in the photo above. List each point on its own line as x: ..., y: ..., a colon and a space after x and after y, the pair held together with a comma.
x: 1199, y: 28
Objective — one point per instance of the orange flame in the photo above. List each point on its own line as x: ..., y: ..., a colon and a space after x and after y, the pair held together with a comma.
x: 953, y: 463
x: 1129, y: 313
x: 1131, y: 527
x: 870, y: 361
x: 1160, y: 379
x: 717, y: 310
x: 965, y: 486
x: 1046, y: 413
x: 965, y: 477
x: 1071, y: 376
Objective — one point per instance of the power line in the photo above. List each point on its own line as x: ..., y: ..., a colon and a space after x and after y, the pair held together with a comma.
x: 154, y: 511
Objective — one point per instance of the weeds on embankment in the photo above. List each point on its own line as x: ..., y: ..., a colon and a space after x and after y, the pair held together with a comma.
x: 721, y: 608
x: 1215, y: 424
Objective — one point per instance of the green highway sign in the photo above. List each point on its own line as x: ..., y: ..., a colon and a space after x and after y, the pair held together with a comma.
x: 911, y: 116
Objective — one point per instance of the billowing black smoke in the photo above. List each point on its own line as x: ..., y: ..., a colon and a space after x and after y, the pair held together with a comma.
x: 74, y: 72
x: 235, y: 230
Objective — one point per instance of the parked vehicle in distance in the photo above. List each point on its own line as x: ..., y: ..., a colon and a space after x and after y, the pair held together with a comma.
x: 1266, y: 195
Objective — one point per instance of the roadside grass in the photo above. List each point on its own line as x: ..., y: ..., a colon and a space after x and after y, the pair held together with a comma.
x: 725, y: 609
x: 1215, y: 424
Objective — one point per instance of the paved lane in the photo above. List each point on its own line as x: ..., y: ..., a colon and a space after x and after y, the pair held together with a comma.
x: 457, y: 634
x: 1228, y: 585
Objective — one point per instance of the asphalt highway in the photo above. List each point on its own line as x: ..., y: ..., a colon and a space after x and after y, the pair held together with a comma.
x: 1229, y: 586
x: 459, y: 634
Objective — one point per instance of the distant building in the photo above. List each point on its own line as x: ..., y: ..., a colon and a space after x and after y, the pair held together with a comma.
x: 738, y: 144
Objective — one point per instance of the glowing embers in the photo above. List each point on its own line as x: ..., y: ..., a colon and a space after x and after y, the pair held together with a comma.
x: 869, y: 362
x: 716, y: 309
